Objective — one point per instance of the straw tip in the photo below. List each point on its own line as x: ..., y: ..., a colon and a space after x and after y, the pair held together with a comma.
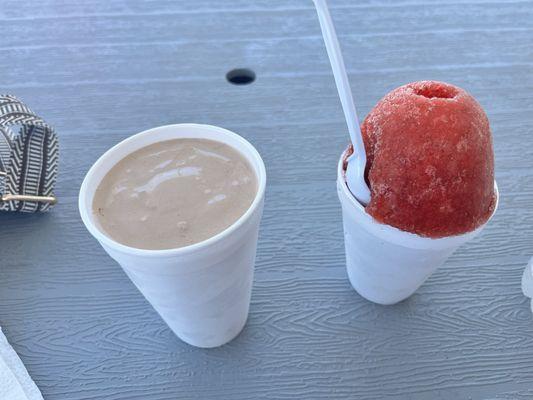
x: 355, y: 179
x: 362, y: 194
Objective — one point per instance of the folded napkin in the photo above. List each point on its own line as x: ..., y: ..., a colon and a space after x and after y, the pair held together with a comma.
x: 527, y: 282
x: 15, y: 383
x: 28, y: 158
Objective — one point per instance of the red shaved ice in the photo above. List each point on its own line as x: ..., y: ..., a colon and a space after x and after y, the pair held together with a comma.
x: 430, y: 161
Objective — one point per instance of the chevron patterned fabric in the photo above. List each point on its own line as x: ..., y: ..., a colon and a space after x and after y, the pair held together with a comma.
x: 28, y: 159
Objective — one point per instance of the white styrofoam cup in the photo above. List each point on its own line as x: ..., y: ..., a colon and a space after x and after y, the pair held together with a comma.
x: 385, y: 264
x: 527, y: 281
x: 201, y: 291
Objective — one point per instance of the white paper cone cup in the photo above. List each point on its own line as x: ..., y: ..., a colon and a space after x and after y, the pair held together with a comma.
x: 386, y: 265
x: 527, y: 280
x: 202, y: 291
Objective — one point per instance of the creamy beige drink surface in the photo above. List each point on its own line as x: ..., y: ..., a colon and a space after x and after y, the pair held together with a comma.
x: 174, y: 193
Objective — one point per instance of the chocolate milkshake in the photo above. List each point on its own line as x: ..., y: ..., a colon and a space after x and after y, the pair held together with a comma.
x: 174, y: 193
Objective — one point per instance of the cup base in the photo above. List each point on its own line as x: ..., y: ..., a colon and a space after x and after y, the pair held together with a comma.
x: 202, y: 344
x: 371, y: 295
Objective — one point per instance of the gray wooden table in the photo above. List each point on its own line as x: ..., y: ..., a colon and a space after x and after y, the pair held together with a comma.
x: 103, y: 70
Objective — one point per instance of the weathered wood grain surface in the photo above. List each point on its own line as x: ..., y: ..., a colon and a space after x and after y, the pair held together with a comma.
x: 103, y: 70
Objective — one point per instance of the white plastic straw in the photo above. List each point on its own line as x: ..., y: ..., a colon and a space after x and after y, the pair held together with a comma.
x: 356, y: 162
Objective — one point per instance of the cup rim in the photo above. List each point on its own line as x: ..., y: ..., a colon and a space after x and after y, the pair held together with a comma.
x: 398, y: 236
x: 85, y: 207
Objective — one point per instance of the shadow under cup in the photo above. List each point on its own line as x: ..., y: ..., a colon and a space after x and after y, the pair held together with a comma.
x: 201, y: 291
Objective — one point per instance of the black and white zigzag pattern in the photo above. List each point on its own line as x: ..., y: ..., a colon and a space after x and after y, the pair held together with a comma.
x: 6, y: 143
x: 28, y: 160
